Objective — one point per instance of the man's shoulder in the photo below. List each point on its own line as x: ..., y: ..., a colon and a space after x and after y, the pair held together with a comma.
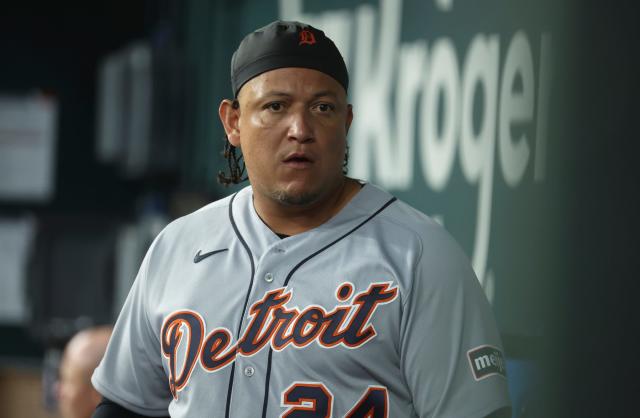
x: 212, y: 218
x: 428, y: 254
x: 406, y: 224
x: 400, y: 214
x: 216, y: 211
x: 406, y: 215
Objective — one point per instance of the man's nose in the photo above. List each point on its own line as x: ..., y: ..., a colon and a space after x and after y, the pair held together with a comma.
x: 300, y: 127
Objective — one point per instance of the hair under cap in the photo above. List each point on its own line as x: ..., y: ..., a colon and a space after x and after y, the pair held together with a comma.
x: 283, y: 44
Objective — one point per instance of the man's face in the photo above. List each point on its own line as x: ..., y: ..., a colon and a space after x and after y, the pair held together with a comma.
x: 292, y: 126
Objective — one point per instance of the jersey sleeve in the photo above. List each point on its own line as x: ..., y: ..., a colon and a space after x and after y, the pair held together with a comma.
x: 451, y: 354
x: 131, y: 372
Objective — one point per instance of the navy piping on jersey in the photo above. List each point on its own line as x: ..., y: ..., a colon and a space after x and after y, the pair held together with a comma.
x: 266, y: 386
x: 246, y: 300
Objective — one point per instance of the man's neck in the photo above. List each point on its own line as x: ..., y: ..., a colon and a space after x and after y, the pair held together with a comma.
x: 295, y: 219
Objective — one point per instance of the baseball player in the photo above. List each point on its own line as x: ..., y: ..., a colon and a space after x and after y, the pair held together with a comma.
x: 308, y: 293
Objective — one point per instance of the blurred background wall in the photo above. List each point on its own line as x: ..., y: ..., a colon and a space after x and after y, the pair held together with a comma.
x: 511, y: 122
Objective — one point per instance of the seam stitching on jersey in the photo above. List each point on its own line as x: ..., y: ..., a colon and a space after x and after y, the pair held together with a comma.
x: 144, y: 269
x: 146, y: 262
x: 415, y: 273
x: 403, y: 309
x: 398, y: 223
x: 408, y: 290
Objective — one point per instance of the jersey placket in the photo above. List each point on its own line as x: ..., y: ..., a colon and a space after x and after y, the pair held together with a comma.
x: 270, y: 264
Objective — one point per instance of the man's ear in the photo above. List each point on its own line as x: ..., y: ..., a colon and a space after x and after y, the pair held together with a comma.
x: 349, y: 117
x: 229, y: 112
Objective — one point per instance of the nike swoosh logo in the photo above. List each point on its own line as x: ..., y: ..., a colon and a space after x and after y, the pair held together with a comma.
x: 199, y: 257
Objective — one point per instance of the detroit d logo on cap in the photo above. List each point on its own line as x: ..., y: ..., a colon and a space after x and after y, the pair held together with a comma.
x: 307, y: 37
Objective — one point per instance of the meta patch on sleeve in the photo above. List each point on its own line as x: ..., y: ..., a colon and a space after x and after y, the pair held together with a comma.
x: 486, y: 361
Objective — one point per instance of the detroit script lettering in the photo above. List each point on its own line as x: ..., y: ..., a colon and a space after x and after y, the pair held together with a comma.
x: 271, y: 323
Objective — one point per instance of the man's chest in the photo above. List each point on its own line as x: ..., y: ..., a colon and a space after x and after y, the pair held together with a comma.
x: 277, y: 321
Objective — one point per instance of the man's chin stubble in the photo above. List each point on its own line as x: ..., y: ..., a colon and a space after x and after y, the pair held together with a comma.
x: 294, y: 199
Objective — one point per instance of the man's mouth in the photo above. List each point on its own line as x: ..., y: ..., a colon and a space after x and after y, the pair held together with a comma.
x: 297, y: 160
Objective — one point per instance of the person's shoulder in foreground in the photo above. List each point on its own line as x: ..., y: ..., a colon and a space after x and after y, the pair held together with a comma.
x: 308, y: 293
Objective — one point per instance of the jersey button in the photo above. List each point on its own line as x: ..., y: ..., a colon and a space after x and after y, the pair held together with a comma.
x: 268, y: 277
x: 249, y: 371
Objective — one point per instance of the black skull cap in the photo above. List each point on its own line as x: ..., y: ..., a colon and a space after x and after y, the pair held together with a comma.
x: 283, y: 44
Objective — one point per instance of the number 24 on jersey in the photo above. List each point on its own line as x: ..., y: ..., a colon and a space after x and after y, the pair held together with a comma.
x: 314, y: 400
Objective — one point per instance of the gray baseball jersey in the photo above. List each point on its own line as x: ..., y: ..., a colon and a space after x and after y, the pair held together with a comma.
x: 376, y: 313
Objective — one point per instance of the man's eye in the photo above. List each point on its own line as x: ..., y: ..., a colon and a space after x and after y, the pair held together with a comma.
x: 324, y: 107
x: 275, y: 106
